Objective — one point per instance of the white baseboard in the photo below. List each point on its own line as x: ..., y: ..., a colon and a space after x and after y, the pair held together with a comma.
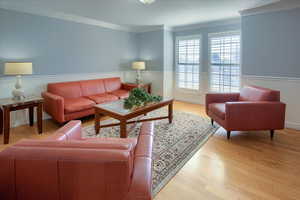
x: 292, y: 125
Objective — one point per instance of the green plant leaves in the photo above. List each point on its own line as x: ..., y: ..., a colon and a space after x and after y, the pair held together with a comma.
x: 139, y: 97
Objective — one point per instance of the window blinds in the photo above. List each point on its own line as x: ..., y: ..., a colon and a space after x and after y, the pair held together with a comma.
x: 188, y: 63
x: 225, y: 62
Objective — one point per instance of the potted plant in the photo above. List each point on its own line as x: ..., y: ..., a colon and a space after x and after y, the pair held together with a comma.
x: 138, y: 97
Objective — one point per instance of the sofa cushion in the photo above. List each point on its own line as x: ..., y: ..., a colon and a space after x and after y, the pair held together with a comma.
x: 218, y: 109
x: 112, y: 84
x: 254, y: 93
x: 102, y: 98
x: 65, y: 89
x: 120, y: 93
x: 78, y: 104
x: 91, y: 87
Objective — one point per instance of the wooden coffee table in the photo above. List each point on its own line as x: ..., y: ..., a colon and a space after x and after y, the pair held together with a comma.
x: 117, y: 111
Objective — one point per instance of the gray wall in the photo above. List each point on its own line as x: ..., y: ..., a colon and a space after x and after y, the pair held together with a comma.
x: 57, y: 46
x: 151, y: 49
x: 204, y: 31
x: 271, y: 44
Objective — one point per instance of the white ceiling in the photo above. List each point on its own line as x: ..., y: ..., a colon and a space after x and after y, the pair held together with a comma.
x: 133, y: 13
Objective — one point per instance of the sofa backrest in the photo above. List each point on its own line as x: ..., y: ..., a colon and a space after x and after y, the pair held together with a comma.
x: 77, y: 89
x: 66, y: 89
x: 255, y: 93
x: 112, y: 84
x: 91, y: 87
x: 65, y: 171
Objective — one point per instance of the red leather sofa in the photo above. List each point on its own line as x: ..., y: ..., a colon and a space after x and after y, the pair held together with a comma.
x: 68, y: 167
x: 65, y: 101
x: 254, y: 108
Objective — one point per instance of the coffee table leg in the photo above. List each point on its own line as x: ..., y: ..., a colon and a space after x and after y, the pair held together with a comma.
x: 97, y: 123
x: 1, y: 121
x: 170, y: 112
x: 39, y: 118
x: 123, y: 131
x: 6, y: 125
x: 31, y: 117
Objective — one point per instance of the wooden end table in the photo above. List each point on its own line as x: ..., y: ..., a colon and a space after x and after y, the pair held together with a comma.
x: 146, y: 86
x: 117, y: 111
x: 7, y: 105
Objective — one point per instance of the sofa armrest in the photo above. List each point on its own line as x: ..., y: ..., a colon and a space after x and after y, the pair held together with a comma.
x: 141, y: 185
x: 220, y: 98
x: 128, y: 86
x: 70, y: 131
x: 260, y: 115
x: 54, y: 106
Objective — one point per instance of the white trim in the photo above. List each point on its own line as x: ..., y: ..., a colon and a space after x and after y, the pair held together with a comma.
x: 292, y: 125
x: 226, y: 33
x: 214, y: 23
x: 150, y: 28
x: 63, y: 16
x: 271, y: 78
x: 277, y: 5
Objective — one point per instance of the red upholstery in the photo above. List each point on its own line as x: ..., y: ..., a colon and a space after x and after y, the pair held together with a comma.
x: 122, y: 94
x: 77, y: 168
x: 218, y: 109
x: 78, y: 104
x: 72, y: 100
x: 255, y: 93
x: 91, y: 87
x: 254, y: 108
x: 112, y: 84
x: 103, y: 98
x: 65, y: 89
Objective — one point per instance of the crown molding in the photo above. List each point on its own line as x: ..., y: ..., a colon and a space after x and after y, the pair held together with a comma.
x: 221, y: 22
x: 63, y: 16
x: 278, y: 5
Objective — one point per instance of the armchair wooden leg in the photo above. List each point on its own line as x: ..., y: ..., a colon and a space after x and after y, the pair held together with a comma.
x: 212, y: 122
x: 228, y: 135
x: 272, y: 134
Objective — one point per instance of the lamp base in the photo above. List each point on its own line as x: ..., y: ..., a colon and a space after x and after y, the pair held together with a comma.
x: 18, y: 94
x: 138, y: 79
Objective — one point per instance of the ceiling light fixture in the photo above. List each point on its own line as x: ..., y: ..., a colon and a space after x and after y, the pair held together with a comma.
x: 147, y: 1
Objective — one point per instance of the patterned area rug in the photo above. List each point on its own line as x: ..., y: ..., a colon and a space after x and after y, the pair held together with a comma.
x: 174, y: 144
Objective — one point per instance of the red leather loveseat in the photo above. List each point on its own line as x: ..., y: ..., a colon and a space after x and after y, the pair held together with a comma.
x: 66, y: 166
x: 65, y: 101
x: 254, y: 108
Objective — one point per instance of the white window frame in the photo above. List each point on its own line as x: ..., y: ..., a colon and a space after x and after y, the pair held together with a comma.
x: 210, y: 35
x: 187, y: 90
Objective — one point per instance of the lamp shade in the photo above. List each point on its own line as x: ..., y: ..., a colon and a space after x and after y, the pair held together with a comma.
x: 138, y: 65
x: 18, y: 68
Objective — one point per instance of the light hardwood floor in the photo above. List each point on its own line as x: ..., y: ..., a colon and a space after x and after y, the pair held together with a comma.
x: 248, y: 166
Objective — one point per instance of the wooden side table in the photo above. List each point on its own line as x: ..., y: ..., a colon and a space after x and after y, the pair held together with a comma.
x: 8, y: 105
x: 146, y: 86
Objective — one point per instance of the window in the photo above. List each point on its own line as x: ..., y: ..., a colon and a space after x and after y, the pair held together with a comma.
x: 225, y: 62
x: 188, y: 62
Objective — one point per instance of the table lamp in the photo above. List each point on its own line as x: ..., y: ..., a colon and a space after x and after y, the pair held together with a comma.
x: 138, y: 66
x: 18, y: 69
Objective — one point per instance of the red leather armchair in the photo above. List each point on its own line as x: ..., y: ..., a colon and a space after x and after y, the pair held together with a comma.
x: 66, y: 166
x: 254, y: 108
